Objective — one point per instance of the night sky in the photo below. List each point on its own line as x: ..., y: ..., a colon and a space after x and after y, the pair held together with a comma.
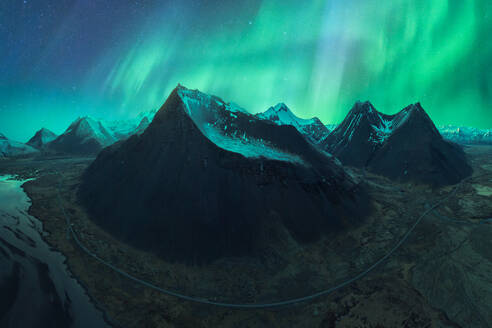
x: 61, y: 59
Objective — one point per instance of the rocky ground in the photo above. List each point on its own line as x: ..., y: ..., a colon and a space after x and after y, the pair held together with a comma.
x: 440, y: 277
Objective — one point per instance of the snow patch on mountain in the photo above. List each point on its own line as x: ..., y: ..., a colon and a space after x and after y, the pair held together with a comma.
x: 247, y: 147
x: 211, y: 123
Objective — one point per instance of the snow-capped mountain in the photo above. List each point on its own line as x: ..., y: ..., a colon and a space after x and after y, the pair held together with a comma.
x: 311, y: 128
x: 84, y: 136
x: 41, y: 138
x: 405, y: 146
x: 466, y: 135
x: 122, y: 129
x: 10, y: 148
x: 206, y: 176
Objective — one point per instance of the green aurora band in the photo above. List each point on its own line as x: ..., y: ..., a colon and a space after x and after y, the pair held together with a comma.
x: 317, y: 56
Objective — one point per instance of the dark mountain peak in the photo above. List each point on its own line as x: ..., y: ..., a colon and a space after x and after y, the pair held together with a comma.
x: 359, y: 123
x: 404, y: 146
x: 317, y: 121
x: 281, y: 107
x: 415, y: 119
x: 45, y: 132
x: 41, y: 138
x: 2, y: 137
x: 363, y: 107
x: 85, y: 136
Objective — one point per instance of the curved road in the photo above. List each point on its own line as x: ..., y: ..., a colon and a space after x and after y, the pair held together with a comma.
x: 71, y: 231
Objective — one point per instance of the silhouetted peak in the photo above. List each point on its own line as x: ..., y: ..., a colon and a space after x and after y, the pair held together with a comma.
x: 362, y: 107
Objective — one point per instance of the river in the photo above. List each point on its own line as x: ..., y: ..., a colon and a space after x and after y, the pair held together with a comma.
x: 36, y: 287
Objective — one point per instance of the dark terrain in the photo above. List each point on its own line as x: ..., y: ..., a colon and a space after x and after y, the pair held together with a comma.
x: 440, y: 277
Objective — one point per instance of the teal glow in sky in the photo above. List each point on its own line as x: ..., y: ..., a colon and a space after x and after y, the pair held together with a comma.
x: 318, y: 57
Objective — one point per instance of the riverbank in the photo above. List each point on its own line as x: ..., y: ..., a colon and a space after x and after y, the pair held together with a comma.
x: 34, y: 276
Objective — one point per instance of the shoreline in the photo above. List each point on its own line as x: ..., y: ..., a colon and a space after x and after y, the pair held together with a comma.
x: 91, y: 297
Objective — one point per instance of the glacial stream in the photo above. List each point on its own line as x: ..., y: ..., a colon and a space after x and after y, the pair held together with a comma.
x: 36, y: 288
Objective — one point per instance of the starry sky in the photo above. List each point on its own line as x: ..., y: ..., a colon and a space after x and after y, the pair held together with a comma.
x: 112, y: 59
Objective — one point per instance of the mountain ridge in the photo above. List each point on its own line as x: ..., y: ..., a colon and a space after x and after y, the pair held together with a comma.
x: 406, y: 146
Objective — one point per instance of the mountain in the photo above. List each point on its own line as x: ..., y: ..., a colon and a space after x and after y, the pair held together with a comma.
x: 123, y: 129
x: 312, y: 128
x: 10, y: 148
x: 41, y: 138
x: 405, y: 146
x: 466, y: 135
x: 84, y: 136
x: 331, y: 127
x: 206, y: 178
x: 144, y: 123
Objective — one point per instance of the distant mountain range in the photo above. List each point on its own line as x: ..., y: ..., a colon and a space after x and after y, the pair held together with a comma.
x: 207, y: 179
x: 10, y: 148
x: 93, y: 135
x: 122, y: 129
x: 466, y: 135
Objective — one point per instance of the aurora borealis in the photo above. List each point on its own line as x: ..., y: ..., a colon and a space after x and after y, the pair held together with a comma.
x: 113, y: 59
